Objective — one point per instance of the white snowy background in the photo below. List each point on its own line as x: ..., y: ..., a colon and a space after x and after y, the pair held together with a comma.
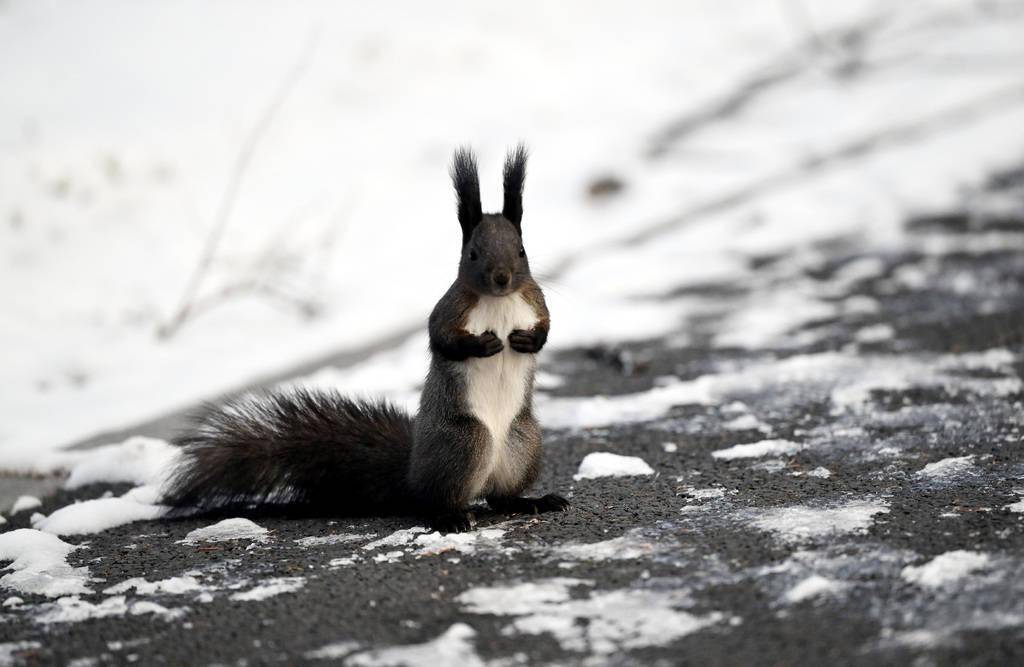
x: 316, y: 136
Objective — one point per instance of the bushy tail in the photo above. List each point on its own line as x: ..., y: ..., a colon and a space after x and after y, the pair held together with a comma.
x: 298, y: 450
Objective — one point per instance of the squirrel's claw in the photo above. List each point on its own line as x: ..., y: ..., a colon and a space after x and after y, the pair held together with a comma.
x: 488, y: 344
x: 524, y: 341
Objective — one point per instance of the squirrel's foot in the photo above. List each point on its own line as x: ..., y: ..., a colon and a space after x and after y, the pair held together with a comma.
x: 549, y: 503
x: 452, y: 522
x: 527, y: 342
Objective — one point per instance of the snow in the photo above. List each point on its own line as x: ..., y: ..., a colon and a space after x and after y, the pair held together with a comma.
x: 1016, y: 507
x: 948, y: 468
x: 627, y: 547
x: 432, y: 544
x: 270, y: 588
x: 758, y: 449
x: 91, y: 516
x: 820, y: 472
x: 811, y: 587
x: 706, y: 494
x: 170, y: 586
x: 337, y: 538
x: 670, y: 447
x: 452, y: 647
x: 399, y: 537
x: 850, y: 378
x: 745, y: 422
x: 801, y: 523
x: 333, y: 651
x: 602, y: 623
x: 40, y: 564
x: 138, y: 460
x: 606, y: 464
x: 129, y: 185
x: 226, y: 530
x: 24, y: 503
x: 874, y: 334
x: 75, y: 610
x: 946, y: 568
x: 591, y: 411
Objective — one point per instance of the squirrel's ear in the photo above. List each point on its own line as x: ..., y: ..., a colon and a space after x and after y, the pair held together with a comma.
x: 467, y: 191
x: 514, y: 175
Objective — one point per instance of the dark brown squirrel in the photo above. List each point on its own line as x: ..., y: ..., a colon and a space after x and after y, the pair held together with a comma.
x: 474, y: 436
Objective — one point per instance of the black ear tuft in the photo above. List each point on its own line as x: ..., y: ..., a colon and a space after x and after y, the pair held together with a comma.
x: 467, y: 191
x: 515, y: 174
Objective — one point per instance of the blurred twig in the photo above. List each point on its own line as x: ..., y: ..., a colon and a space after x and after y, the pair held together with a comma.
x: 188, y: 303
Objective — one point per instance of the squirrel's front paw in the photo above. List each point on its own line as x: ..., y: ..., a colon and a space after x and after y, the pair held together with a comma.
x: 487, y: 344
x: 528, y: 342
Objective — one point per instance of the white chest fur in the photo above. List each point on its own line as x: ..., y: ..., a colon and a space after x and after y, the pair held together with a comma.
x: 497, y: 386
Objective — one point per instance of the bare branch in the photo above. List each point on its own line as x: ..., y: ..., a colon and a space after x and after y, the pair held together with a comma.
x: 186, y: 307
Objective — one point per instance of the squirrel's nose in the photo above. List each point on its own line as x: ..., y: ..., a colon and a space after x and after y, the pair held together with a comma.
x: 501, y: 278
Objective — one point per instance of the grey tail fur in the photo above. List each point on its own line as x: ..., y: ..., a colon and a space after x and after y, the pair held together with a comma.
x: 307, y: 451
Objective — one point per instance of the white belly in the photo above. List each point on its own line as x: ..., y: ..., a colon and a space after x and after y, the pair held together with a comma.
x: 497, y: 386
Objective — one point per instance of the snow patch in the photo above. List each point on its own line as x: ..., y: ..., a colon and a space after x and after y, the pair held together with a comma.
x: 800, y: 523
x: 138, y: 460
x: 169, y: 586
x: 24, y: 503
x: 92, y: 516
x: 758, y: 449
x: 75, y: 610
x: 626, y: 547
x: 606, y: 464
x: 228, y: 529
x: 399, y: 537
x: 453, y: 647
x: 40, y: 564
x: 432, y: 544
x: 813, y: 586
x: 947, y: 469
x: 602, y: 623
x: 946, y: 568
x: 338, y: 538
x: 271, y: 588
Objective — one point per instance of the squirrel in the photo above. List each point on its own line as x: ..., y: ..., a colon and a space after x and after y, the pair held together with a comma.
x: 474, y: 436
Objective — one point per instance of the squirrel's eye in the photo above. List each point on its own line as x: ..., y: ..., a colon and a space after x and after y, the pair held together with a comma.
x: 522, y: 252
x: 472, y: 255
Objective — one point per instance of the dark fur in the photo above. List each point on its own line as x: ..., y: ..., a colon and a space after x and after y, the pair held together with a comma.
x: 319, y: 452
x: 312, y: 449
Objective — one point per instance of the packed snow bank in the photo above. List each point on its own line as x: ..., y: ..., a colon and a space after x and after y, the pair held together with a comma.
x: 606, y: 464
x: 92, y: 516
x: 138, y: 460
x: 40, y: 564
x: 143, y: 461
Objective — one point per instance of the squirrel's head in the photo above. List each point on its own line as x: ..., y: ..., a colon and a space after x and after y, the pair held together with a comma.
x: 494, y: 261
